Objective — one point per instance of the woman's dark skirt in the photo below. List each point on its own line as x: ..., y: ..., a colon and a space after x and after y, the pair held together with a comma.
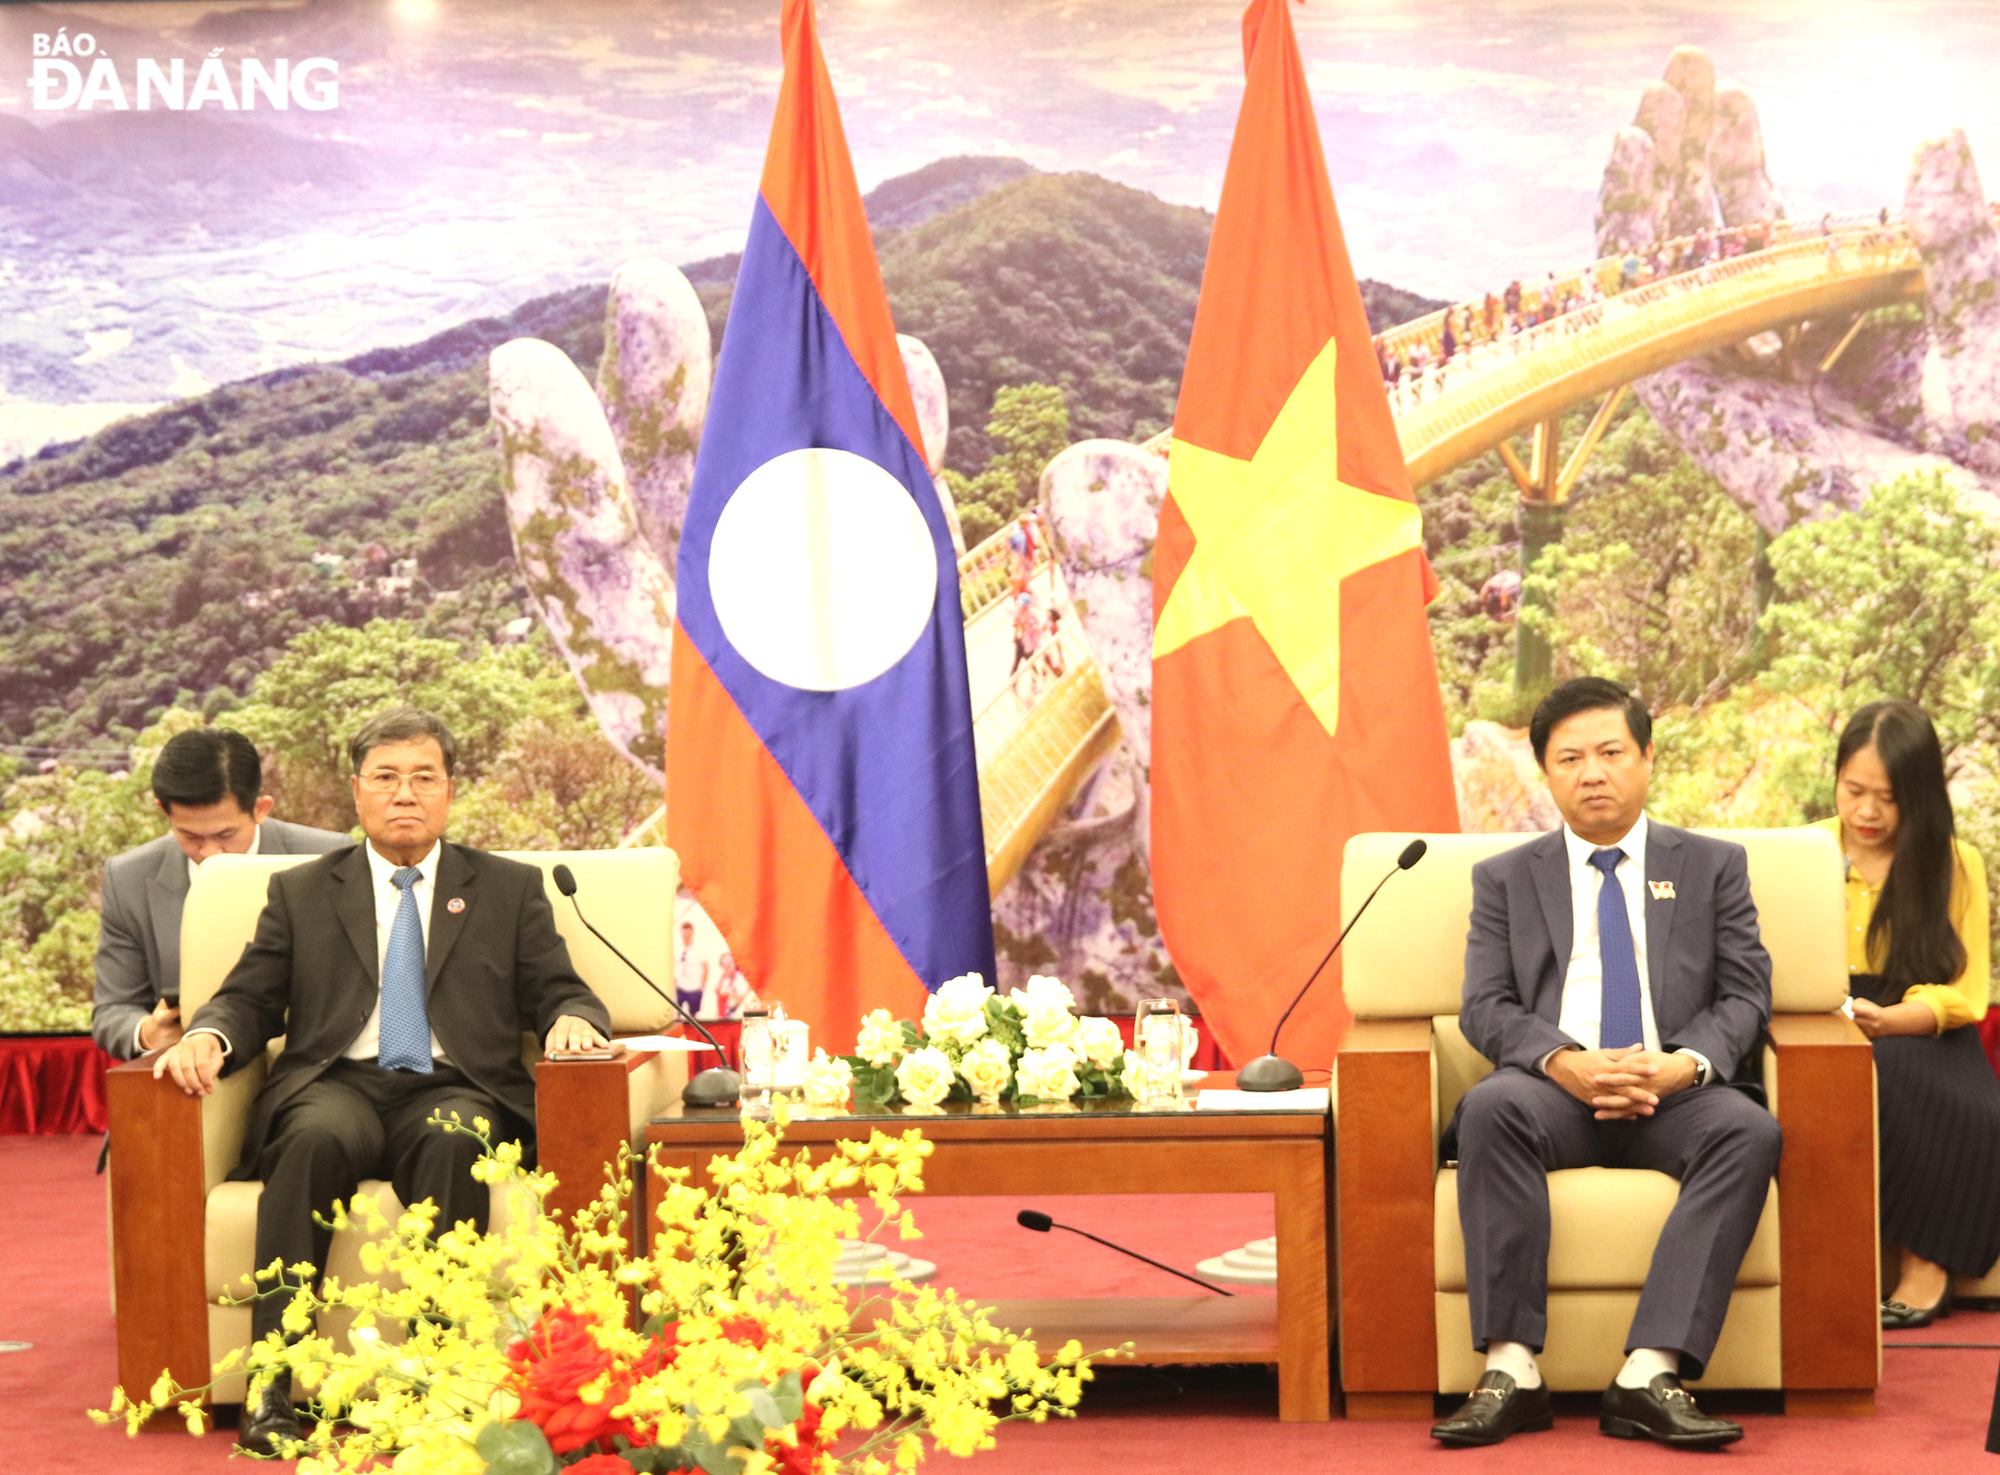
x: 1938, y: 1104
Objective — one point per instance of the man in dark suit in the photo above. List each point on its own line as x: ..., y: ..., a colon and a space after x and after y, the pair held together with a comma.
x: 402, y: 974
x: 1601, y: 1060
x: 209, y: 784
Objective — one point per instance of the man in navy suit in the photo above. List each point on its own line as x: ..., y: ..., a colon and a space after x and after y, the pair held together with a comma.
x: 1615, y: 977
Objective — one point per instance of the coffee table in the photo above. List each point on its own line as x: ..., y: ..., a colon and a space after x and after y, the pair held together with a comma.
x: 1116, y: 1147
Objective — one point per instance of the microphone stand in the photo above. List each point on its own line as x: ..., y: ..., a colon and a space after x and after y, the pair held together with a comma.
x: 1271, y: 1071
x: 1042, y: 1224
x: 716, y: 1086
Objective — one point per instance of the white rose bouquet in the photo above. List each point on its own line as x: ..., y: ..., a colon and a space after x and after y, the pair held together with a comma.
x: 974, y: 1044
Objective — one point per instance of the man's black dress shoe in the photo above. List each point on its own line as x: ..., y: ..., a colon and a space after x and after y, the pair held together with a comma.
x: 1663, y: 1411
x: 265, y: 1428
x: 1496, y: 1408
x: 1897, y: 1316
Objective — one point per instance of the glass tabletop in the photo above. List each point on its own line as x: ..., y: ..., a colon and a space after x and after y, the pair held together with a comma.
x: 798, y: 1110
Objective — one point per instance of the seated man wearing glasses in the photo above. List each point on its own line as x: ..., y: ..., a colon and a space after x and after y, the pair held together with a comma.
x: 402, y: 974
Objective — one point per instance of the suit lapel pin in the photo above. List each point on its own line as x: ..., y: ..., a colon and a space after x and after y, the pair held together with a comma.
x: 457, y: 904
x: 1662, y: 890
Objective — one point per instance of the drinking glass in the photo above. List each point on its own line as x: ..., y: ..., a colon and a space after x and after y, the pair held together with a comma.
x: 1159, y: 1035
x: 764, y: 1043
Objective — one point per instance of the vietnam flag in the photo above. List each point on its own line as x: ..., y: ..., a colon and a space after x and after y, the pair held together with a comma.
x: 821, y: 784
x: 1296, y: 701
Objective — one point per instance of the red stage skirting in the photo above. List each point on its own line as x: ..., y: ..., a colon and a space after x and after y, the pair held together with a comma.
x: 51, y: 1084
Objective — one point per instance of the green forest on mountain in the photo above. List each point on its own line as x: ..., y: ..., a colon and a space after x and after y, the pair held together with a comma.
x: 166, y: 560
x: 174, y: 567
x: 237, y: 555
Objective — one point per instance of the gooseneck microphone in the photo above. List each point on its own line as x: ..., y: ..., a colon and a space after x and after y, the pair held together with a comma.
x: 1271, y: 1071
x: 1041, y: 1223
x: 716, y: 1086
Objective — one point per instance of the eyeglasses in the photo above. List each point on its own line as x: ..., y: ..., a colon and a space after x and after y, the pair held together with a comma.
x: 425, y: 784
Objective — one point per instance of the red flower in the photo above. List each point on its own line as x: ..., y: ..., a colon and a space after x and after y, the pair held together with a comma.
x: 801, y: 1458
x: 552, y: 1364
x: 601, y: 1464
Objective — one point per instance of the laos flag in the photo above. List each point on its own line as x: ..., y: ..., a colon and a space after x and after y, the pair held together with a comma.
x: 821, y: 786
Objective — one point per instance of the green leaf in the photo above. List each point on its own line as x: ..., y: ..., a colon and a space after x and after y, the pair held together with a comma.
x: 875, y: 1085
x: 702, y: 1453
x: 1005, y: 1025
x: 763, y: 1407
x: 790, y: 1396
x: 515, y: 1447
x: 655, y: 1459
x: 746, y: 1432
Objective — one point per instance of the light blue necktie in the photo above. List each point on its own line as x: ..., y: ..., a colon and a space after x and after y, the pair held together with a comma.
x: 1620, y: 1022
x: 406, y: 1025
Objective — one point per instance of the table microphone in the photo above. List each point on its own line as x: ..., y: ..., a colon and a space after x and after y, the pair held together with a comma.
x: 716, y: 1086
x: 1041, y: 1223
x: 1271, y: 1071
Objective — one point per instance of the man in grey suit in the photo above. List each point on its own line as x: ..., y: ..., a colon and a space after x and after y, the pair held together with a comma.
x: 1602, y: 1061
x: 209, y: 784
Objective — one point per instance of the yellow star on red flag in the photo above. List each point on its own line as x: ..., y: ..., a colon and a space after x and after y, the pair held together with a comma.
x: 1274, y: 537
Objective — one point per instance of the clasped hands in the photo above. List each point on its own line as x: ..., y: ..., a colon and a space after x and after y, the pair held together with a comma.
x: 1624, y: 1084
x: 195, y: 1061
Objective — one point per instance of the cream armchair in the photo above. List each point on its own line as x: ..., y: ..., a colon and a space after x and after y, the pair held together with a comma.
x: 1804, y: 1314
x: 182, y: 1236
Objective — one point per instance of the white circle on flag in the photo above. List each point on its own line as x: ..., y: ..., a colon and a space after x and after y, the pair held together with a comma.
x: 822, y: 569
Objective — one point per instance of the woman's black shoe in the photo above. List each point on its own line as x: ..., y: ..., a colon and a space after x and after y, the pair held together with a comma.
x: 1497, y: 1408
x: 1897, y: 1317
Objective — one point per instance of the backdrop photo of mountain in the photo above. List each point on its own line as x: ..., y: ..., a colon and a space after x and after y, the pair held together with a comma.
x: 256, y: 260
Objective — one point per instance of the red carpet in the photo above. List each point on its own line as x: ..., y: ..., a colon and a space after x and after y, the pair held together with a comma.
x: 53, y: 1293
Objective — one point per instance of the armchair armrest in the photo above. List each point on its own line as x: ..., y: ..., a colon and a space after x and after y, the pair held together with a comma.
x: 158, y: 1212
x: 1385, y: 1181
x: 1828, y: 1246
x: 585, y: 1108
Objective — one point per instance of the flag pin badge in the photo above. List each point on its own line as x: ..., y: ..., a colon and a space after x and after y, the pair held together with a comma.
x: 457, y: 904
x: 1662, y: 890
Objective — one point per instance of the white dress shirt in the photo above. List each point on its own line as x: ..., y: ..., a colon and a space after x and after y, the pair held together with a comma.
x: 1582, y: 1016
x: 368, y: 1044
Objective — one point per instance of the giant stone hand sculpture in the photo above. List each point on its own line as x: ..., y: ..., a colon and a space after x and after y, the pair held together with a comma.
x: 598, y: 481
x: 1082, y: 905
x: 1786, y: 441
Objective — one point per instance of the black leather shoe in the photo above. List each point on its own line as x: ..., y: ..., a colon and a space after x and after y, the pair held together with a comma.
x: 265, y: 1428
x: 1663, y: 1411
x: 1898, y: 1316
x: 1495, y: 1409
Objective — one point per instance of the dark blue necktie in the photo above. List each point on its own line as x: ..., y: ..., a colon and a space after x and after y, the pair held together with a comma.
x: 406, y: 1024
x: 1619, y: 1021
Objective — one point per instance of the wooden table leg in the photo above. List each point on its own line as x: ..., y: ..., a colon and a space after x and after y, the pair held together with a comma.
x: 1304, y: 1375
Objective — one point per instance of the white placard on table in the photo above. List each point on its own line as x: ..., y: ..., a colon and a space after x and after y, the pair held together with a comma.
x: 663, y: 1042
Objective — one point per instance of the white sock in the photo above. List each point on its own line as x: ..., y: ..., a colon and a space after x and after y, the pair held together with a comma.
x: 1516, y: 1361
x: 1646, y: 1364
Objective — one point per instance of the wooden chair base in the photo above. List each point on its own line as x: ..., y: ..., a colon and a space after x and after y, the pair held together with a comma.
x: 1392, y: 1407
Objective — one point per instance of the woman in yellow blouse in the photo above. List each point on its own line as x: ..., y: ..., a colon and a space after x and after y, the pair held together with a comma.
x: 1918, y: 975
